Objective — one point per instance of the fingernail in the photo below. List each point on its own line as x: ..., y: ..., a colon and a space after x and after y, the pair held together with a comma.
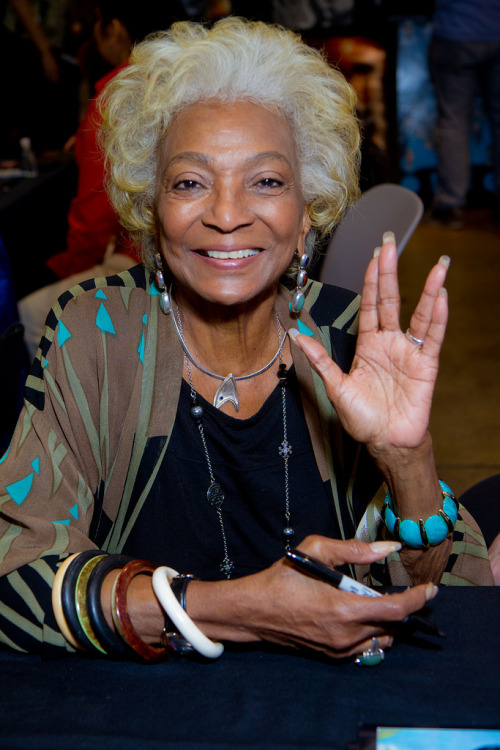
x: 376, y: 252
x: 443, y: 292
x: 445, y: 261
x: 430, y: 591
x: 293, y: 333
x: 388, y: 237
x: 385, y: 548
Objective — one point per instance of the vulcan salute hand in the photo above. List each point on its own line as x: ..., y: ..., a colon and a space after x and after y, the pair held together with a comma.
x: 385, y: 400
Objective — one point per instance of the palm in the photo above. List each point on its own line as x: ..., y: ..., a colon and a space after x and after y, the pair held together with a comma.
x: 386, y: 398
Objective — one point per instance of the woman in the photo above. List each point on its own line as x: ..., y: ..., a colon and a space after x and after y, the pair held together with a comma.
x: 156, y: 426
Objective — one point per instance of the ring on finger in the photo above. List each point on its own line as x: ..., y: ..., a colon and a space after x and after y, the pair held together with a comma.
x: 414, y: 340
x: 371, y: 656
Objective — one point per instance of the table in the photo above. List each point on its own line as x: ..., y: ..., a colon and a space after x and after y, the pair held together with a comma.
x: 260, y: 697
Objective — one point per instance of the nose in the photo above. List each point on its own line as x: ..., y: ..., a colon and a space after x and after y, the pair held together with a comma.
x: 228, y: 210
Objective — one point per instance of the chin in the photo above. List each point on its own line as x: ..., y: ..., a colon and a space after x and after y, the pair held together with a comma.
x: 233, y: 296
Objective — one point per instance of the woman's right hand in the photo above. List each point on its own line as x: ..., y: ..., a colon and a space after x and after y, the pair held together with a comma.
x: 283, y: 605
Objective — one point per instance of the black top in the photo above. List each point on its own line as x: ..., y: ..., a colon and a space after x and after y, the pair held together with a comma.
x: 178, y: 527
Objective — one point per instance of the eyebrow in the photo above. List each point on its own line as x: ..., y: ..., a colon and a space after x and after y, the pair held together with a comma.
x: 205, y: 160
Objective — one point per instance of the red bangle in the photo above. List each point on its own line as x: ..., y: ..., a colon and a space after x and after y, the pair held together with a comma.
x: 121, y: 616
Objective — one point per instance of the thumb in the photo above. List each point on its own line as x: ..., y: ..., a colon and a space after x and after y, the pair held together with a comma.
x: 320, y: 361
x: 334, y: 552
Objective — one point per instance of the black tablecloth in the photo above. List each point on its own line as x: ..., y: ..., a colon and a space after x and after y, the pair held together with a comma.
x: 260, y: 698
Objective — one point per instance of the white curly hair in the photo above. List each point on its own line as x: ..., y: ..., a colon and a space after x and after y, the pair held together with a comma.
x: 234, y: 59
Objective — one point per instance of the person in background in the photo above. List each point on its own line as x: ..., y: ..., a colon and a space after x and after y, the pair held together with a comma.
x: 464, y: 58
x: 212, y: 407
x: 24, y: 12
x: 97, y: 245
x: 22, y: 62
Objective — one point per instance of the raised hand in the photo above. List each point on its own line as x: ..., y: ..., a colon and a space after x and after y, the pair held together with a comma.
x: 385, y: 400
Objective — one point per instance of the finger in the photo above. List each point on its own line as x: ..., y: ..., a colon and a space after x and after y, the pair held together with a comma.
x: 368, y: 312
x: 382, y: 641
x: 433, y: 341
x: 389, y: 300
x: 425, y: 310
x: 320, y: 361
x: 334, y: 552
x: 396, y: 607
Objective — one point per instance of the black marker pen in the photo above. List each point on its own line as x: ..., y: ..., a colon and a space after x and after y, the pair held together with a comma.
x: 319, y: 570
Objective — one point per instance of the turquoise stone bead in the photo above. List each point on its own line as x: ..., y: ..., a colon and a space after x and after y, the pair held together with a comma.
x: 409, y: 532
x: 436, y: 529
x: 450, y: 508
x: 390, y: 520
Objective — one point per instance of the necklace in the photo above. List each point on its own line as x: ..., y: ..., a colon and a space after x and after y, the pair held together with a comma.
x: 215, y: 492
x: 227, y: 391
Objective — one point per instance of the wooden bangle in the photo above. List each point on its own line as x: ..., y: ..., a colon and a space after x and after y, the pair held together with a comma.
x: 108, y: 638
x: 121, y: 616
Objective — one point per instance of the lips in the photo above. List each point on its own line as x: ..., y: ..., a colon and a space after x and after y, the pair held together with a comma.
x: 231, y: 254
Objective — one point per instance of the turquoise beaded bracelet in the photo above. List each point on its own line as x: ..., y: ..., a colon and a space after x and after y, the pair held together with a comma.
x: 423, y: 534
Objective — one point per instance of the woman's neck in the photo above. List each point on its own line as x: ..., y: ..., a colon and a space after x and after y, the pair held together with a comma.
x: 228, y: 339
x: 240, y: 342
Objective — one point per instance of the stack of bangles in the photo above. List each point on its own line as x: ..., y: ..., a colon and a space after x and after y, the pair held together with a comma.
x: 76, y: 601
x: 423, y: 534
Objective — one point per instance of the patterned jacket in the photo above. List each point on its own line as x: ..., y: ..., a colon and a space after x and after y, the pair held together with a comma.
x: 106, y: 380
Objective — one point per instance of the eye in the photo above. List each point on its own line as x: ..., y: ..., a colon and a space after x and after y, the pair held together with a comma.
x: 186, y: 185
x: 270, y: 182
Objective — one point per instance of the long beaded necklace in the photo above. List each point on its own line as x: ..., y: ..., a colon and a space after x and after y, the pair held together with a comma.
x: 215, y: 492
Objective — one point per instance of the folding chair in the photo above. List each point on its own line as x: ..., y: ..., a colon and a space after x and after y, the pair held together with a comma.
x: 380, y: 209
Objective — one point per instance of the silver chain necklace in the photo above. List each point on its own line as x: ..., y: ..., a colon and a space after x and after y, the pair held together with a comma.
x: 227, y: 391
x: 215, y: 493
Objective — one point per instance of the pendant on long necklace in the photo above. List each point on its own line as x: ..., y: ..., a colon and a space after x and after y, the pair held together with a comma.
x: 226, y: 567
x: 285, y: 449
x: 226, y: 393
x: 215, y: 495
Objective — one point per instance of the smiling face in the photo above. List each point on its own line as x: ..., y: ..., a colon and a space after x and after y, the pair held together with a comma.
x: 230, y: 208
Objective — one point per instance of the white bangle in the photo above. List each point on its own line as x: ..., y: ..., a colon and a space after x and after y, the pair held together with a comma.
x: 57, y: 604
x: 191, y: 632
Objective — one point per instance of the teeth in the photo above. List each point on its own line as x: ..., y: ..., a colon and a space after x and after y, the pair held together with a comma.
x: 233, y: 254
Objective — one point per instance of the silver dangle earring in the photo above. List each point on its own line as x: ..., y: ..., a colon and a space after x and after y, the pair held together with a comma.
x: 298, y: 297
x: 165, y: 300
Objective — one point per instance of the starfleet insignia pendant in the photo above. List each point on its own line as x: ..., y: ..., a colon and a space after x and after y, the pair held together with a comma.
x: 227, y: 392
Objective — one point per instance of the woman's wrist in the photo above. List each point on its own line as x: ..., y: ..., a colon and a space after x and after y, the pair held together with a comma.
x: 412, y: 480
x: 222, y: 609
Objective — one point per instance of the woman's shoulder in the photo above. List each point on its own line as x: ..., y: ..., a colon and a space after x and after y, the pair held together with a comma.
x: 333, y: 306
x: 97, y: 325
x: 97, y: 302
x: 120, y: 284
